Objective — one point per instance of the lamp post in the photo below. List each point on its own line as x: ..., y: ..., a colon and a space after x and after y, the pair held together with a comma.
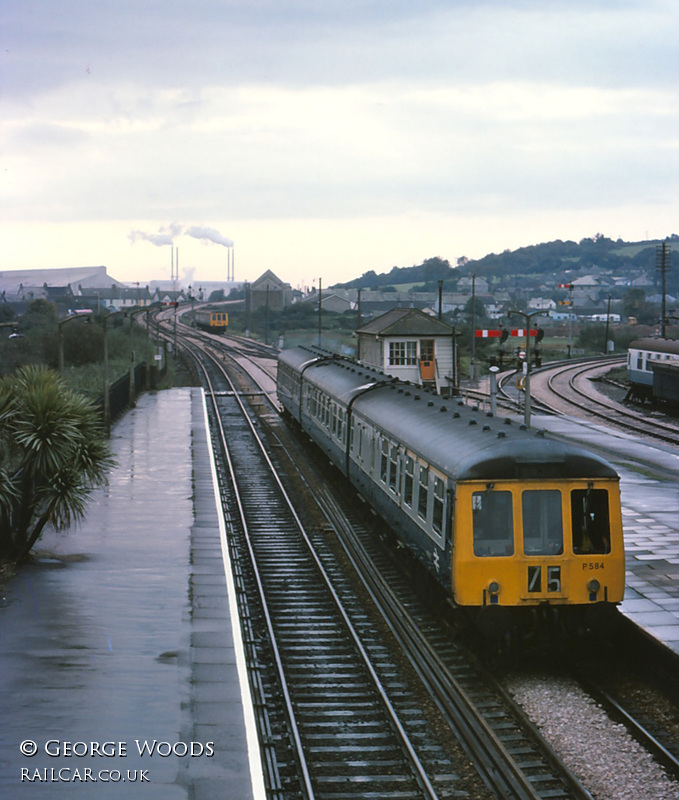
x: 608, y: 322
x: 147, y: 311
x: 133, y: 313
x: 320, y: 312
x: 526, y: 407
x: 107, y: 399
x: 60, y: 336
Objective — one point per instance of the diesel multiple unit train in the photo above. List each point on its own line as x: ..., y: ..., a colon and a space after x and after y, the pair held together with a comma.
x: 210, y: 320
x: 518, y: 529
x: 653, y: 370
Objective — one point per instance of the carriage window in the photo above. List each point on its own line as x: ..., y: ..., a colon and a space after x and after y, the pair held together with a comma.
x: 423, y: 492
x: 492, y: 523
x: 542, y: 525
x: 384, y: 461
x: 591, y: 527
x: 439, y: 501
x: 408, y: 481
x: 393, y: 468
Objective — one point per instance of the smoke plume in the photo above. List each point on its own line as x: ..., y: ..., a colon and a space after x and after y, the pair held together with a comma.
x: 165, y: 235
x: 208, y: 234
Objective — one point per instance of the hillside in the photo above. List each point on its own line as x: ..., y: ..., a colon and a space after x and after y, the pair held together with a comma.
x: 549, y: 263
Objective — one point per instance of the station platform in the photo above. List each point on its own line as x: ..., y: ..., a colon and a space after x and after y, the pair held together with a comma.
x: 120, y: 654
x: 649, y: 487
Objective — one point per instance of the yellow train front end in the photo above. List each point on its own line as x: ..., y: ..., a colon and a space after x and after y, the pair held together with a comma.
x: 549, y: 546
x: 219, y: 320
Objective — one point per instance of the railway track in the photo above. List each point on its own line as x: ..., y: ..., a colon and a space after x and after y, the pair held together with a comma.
x: 356, y: 728
x: 576, y: 386
x: 570, y: 389
x: 341, y: 734
x: 329, y: 737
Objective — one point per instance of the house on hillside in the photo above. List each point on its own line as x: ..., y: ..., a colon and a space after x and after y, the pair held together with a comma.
x: 410, y: 345
x: 541, y: 304
x: 270, y: 291
x: 480, y: 285
x: 114, y: 298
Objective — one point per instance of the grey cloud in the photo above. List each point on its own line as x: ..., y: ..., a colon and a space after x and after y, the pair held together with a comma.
x: 212, y: 42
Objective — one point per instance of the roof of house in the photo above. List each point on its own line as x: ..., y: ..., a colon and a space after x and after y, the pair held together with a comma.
x: 268, y: 280
x: 406, y: 322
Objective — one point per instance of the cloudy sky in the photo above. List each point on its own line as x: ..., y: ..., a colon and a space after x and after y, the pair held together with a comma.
x: 328, y: 137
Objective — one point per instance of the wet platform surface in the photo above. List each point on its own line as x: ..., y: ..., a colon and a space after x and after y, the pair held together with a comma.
x: 649, y: 486
x: 121, y: 635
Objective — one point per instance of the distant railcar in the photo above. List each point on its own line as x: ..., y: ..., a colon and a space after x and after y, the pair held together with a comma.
x: 653, y: 370
x: 211, y: 320
x: 516, y: 528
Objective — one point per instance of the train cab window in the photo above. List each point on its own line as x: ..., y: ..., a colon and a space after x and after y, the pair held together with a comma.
x: 408, y: 481
x: 542, y: 524
x: 492, y: 522
x: 591, y: 524
x: 423, y: 492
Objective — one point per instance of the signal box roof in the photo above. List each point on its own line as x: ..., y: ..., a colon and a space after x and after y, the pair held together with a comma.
x: 406, y: 322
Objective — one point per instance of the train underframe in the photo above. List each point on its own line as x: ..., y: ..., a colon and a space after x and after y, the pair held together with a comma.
x: 545, y: 626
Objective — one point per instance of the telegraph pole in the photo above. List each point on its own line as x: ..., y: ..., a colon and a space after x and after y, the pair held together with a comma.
x: 663, y: 255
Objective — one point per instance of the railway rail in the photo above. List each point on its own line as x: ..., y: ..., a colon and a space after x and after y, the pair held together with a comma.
x: 570, y: 388
x: 340, y: 726
x: 346, y: 706
x: 311, y: 748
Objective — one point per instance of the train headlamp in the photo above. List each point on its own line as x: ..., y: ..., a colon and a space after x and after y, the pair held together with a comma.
x: 593, y: 586
x: 493, y: 591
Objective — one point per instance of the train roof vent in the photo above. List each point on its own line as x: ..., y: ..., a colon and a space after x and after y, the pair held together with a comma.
x: 501, y: 434
x: 460, y: 402
x: 417, y: 397
x: 473, y: 422
x: 508, y: 421
x: 523, y: 427
x: 407, y: 394
x: 486, y: 427
x: 456, y: 415
x: 430, y: 403
x: 489, y: 413
x: 443, y: 408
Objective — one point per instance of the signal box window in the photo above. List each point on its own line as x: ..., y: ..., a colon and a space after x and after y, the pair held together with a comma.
x: 492, y: 523
x: 591, y: 524
x: 402, y: 354
x: 542, y: 525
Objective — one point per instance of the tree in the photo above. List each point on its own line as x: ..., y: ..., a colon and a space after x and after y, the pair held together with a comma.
x: 52, y: 454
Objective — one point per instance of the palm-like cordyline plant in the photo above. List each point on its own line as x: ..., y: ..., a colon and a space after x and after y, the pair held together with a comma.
x: 52, y: 454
